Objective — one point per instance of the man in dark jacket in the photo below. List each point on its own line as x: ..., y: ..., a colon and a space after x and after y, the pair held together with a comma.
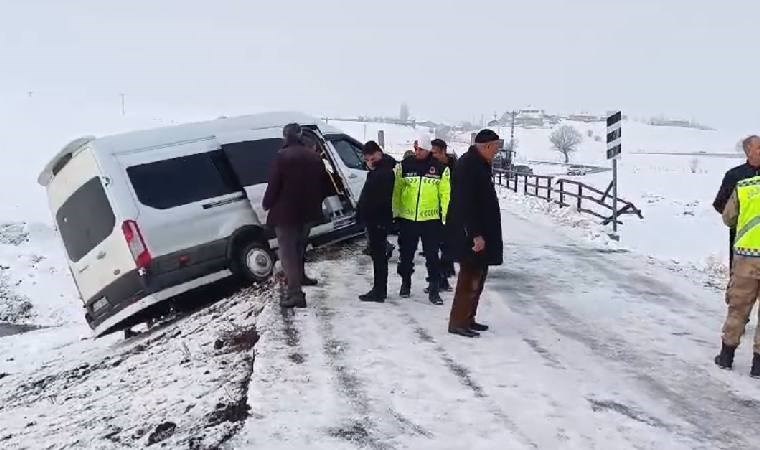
x: 749, y: 169
x: 295, y: 192
x: 449, y: 160
x: 375, y: 211
x: 475, y: 231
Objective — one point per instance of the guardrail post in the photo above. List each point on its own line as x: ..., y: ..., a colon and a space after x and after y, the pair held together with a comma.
x: 561, y: 194
x: 549, y: 189
x: 580, y: 193
x: 516, y: 181
x: 525, y: 186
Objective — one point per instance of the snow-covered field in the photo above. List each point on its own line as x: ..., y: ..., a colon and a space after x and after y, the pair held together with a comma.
x: 595, y: 343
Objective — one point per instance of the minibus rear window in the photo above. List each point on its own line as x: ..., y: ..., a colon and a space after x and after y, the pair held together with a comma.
x: 85, y: 219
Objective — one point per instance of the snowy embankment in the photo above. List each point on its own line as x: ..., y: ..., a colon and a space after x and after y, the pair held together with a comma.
x: 183, y: 384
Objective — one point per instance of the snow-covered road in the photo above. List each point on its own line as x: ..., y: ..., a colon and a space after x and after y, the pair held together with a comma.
x: 590, y: 347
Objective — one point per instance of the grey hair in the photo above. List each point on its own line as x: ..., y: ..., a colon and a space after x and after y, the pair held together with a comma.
x: 748, y: 141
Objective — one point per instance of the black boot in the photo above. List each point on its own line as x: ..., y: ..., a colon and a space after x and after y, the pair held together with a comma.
x: 725, y: 360
x: 464, y: 332
x: 306, y: 281
x: 755, y: 371
x: 433, y: 295
x: 295, y: 301
x: 373, y: 296
x: 406, y: 288
x: 478, y: 326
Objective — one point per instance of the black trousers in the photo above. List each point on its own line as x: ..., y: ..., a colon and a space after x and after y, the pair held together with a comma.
x: 378, y: 239
x: 410, y: 234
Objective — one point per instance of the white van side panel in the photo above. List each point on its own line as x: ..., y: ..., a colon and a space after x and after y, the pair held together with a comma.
x: 167, y: 231
x: 110, y: 258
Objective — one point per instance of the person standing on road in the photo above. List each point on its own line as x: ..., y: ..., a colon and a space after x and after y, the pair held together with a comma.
x: 449, y: 160
x: 751, y: 168
x: 742, y: 212
x: 475, y: 231
x: 376, y: 212
x: 420, y: 201
x: 295, y: 192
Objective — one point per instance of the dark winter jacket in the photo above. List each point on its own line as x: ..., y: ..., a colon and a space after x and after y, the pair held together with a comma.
x: 296, y: 188
x: 475, y: 212
x: 727, y: 187
x: 375, y: 201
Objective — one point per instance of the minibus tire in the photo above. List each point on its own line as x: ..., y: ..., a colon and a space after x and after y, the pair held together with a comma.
x: 255, y: 262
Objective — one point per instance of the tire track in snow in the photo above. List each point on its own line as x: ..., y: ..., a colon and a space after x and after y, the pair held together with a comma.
x: 463, y: 375
x: 705, y: 403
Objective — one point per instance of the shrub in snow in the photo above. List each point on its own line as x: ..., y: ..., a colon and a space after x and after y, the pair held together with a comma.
x: 13, y: 233
x: 13, y: 307
x: 565, y: 140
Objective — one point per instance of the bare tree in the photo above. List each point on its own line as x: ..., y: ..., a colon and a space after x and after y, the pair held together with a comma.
x: 694, y: 165
x: 565, y: 140
x: 404, y: 114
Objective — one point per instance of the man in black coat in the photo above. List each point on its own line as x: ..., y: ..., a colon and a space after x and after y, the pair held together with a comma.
x: 474, y: 231
x: 376, y: 212
x: 749, y: 169
x: 295, y: 191
x: 438, y: 150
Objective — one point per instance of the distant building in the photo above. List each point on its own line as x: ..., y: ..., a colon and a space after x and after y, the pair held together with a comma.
x: 585, y: 117
x: 530, y: 118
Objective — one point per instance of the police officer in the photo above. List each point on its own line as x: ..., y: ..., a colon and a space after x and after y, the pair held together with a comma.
x: 420, y: 202
x: 742, y: 212
x: 751, y: 168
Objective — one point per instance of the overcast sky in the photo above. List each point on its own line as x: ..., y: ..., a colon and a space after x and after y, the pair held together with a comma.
x: 449, y: 59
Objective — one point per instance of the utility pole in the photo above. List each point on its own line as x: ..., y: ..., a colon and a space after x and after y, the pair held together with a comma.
x: 512, y: 132
x: 123, y: 104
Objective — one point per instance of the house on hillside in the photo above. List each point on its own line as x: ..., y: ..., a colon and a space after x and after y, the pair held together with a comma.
x: 530, y: 118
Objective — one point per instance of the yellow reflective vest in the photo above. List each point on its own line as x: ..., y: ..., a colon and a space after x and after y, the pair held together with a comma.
x: 747, y: 242
x: 422, y: 190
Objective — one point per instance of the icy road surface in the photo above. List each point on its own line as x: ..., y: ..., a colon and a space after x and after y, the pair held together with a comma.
x: 590, y: 348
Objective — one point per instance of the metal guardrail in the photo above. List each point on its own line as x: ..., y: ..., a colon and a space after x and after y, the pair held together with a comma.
x: 561, y: 191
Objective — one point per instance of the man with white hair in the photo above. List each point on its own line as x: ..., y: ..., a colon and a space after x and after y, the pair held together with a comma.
x: 420, y: 202
x: 751, y: 168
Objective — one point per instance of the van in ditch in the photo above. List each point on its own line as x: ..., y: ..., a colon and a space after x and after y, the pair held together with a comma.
x: 147, y: 215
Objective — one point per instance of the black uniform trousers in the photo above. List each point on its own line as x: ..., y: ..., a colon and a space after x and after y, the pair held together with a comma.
x: 410, y: 234
x: 378, y: 240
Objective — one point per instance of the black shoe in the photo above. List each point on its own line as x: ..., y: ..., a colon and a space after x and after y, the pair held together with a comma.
x: 755, y: 371
x: 725, y: 360
x: 373, y: 296
x: 406, y: 289
x: 306, y: 281
x: 464, y: 332
x: 434, y: 297
x: 478, y: 327
x: 297, y: 301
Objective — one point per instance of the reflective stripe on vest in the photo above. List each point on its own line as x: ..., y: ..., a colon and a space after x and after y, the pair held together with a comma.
x: 747, y: 242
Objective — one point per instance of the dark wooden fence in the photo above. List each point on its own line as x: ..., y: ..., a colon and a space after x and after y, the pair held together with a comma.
x: 566, y: 193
